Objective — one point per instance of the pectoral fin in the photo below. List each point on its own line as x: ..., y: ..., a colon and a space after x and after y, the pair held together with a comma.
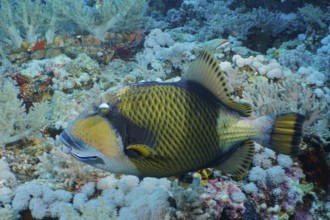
x: 141, y: 150
x: 238, y: 163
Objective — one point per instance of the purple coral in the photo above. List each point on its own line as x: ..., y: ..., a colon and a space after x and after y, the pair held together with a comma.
x: 225, y: 196
x: 278, y: 185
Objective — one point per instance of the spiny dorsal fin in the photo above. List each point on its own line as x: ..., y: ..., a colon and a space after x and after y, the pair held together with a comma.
x: 142, y: 150
x: 206, y: 71
x: 239, y: 162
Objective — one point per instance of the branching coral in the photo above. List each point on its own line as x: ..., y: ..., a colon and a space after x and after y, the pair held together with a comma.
x: 274, y: 22
x: 27, y: 18
x: 313, y: 14
x: 7, y: 178
x: 289, y: 96
x: 8, y: 25
x: 104, y: 15
x: 15, y: 123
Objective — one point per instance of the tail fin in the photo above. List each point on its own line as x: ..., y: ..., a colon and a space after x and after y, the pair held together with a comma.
x: 283, y: 133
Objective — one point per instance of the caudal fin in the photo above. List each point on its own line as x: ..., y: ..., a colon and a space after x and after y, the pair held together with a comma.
x: 286, y: 133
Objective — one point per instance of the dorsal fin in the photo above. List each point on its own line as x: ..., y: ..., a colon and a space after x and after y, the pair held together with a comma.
x: 206, y: 71
x: 238, y: 163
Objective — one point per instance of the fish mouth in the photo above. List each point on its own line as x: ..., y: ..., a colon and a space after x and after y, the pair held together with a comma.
x: 83, y: 157
x: 75, y: 147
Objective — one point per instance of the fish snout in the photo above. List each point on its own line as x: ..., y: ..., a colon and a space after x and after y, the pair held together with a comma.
x: 69, y: 141
x: 77, y: 148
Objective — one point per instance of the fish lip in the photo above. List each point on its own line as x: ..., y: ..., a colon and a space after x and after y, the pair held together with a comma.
x: 91, y: 160
x: 69, y: 141
x: 63, y: 137
x: 75, y: 147
x: 63, y: 140
x: 83, y: 158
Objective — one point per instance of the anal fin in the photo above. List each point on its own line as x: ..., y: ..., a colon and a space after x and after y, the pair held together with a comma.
x: 239, y: 162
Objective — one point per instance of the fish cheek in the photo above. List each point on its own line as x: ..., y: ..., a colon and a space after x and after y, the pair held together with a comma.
x: 96, y: 132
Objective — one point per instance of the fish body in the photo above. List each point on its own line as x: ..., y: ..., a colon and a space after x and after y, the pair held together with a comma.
x: 162, y: 129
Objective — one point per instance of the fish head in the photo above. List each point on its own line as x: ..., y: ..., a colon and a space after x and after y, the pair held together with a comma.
x: 92, y: 139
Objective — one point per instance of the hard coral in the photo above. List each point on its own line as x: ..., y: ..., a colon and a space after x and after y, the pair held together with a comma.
x: 225, y: 196
x: 26, y: 18
x: 102, y: 16
x: 279, y: 190
x: 15, y: 122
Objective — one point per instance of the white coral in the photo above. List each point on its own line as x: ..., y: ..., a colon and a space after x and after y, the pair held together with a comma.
x: 272, y: 69
x: 60, y: 167
x: 15, y: 123
x: 25, y: 18
x: 105, y: 15
x: 7, y: 178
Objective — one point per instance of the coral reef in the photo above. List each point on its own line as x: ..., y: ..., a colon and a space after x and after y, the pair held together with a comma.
x: 58, y: 57
x: 109, y: 197
x: 37, y: 19
x: 276, y: 190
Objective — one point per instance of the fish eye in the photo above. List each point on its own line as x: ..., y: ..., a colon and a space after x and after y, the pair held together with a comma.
x: 103, y: 109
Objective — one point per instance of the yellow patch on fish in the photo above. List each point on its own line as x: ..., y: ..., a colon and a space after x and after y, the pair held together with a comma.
x: 96, y: 132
